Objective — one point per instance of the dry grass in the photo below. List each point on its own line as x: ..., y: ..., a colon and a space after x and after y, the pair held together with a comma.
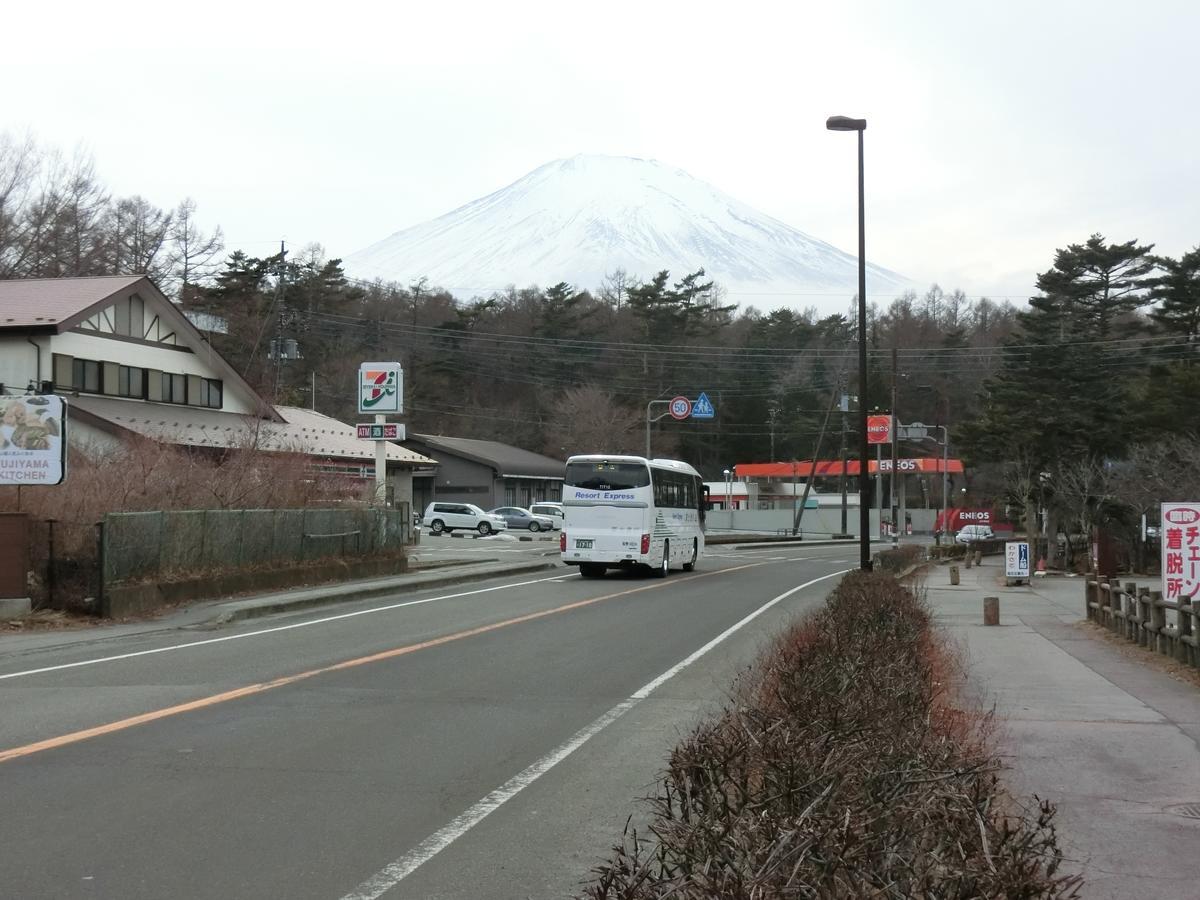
x: 844, y: 767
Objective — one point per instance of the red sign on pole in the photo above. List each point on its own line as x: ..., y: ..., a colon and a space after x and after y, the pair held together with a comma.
x: 681, y: 408
x: 879, y: 429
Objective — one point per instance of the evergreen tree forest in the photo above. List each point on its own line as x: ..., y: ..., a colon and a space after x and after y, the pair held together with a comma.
x: 1066, y: 403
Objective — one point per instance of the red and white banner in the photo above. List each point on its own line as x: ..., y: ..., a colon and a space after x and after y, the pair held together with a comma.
x: 879, y: 429
x: 1181, y: 551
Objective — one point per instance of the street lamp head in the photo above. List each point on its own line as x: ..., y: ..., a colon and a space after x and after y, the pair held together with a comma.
x: 844, y: 123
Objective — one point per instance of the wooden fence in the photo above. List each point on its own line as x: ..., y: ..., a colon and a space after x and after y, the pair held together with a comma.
x: 1141, y: 614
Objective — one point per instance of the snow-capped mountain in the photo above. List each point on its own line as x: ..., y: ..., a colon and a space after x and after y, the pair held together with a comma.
x: 579, y: 219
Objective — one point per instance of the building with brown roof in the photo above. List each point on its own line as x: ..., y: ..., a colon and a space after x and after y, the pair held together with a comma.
x: 130, y: 364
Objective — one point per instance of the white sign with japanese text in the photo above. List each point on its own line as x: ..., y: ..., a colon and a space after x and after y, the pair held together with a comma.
x: 1016, y: 559
x: 1180, y: 535
x: 33, y: 440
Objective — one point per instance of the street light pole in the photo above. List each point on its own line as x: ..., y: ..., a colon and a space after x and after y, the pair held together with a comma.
x: 842, y: 123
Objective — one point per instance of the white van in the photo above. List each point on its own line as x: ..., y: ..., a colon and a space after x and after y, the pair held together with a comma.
x: 553, y: 511
x: 971, y: 533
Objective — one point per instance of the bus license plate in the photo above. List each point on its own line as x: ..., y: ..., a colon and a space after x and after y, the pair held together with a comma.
x: 583, y: 545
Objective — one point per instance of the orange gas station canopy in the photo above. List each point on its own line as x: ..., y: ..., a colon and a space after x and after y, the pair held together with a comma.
x: 833, y: 468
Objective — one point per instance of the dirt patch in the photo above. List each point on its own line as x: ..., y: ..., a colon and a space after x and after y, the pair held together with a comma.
x: 1143, y: 655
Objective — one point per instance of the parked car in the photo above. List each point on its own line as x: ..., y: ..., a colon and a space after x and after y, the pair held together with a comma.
x: 553, y: 510
x: 516, y: 517
x: 971, y: 533
x: 441, y: 517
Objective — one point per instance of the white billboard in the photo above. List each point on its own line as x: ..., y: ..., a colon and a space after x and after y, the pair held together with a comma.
x: 33, y: 440
x: 1180, y: 536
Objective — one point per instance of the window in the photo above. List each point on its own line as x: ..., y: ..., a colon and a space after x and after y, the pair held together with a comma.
x: 174, y: 388
x: 131, y: 382
x: 675, y: 490
x: 606, y: 476
x: 85, y: 375
x: 63, y: 371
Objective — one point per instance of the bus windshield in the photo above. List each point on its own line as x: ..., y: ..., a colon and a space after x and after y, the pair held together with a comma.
x: 607, y: 476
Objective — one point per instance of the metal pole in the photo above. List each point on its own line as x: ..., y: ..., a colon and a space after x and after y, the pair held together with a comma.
x: 945, y: 476
x: 893, y: 493
x: 380, y: 466
x: 864, y: 485
x: 648, y: 405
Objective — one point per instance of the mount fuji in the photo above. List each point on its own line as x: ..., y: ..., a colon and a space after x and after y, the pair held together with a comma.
x: 579, y: 219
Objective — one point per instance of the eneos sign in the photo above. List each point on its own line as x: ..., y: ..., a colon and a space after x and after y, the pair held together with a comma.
x: 879, y: 429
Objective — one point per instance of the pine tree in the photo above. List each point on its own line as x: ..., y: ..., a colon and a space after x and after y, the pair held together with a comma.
x: 1178, y: 289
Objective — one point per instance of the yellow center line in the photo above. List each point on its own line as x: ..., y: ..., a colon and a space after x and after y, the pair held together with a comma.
x: 251, y: 689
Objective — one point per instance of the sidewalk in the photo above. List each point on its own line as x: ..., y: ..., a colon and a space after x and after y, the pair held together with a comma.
x: 1106, y: 735
x: 214, y: 613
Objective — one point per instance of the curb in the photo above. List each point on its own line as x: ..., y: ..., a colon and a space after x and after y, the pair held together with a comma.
x: 349, y: 594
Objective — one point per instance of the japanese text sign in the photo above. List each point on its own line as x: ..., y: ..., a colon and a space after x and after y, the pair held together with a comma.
x: 1181, y: 551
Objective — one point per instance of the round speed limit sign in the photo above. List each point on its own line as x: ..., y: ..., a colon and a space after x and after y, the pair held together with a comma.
x: 681, y: 407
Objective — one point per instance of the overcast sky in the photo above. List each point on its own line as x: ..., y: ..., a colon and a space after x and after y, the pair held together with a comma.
x: 997, y: 132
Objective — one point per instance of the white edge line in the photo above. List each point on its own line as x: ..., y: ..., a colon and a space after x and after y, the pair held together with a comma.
x: 262, y: 631
x: 395, y: 872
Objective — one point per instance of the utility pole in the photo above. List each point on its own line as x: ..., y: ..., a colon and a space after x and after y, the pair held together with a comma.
x: 279, y: 294
x: 895, y: 449
x: 843, y: 478
x: 772, y: 418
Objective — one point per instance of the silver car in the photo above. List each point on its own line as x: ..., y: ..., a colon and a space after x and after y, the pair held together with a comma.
x: 516, y: 517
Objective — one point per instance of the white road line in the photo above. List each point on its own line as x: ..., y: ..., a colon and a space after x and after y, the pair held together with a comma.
x: 395, y: 872
x: 278, y: 628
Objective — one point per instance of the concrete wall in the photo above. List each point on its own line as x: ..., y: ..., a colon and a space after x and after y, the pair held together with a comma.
x: 816, y: 522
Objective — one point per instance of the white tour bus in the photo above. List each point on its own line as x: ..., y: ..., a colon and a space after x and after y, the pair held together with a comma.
x: 624, y: 511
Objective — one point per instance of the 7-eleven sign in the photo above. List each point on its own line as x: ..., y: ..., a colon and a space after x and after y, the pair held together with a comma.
x: 381, y: 388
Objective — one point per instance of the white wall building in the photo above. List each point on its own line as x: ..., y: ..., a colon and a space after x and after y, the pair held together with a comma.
x: 130, y: 363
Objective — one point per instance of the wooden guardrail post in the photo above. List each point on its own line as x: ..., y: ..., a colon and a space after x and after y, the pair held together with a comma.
x: 1103, y: 598
x: 1144, y: 621
x: 1158, y: 615
x: 1128, y: 608
x: 1183, y: 647
x: 1089, y: 594
x: 954, y: 574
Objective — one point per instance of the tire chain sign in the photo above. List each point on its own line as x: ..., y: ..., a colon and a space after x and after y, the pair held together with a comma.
x: 1180, y: 535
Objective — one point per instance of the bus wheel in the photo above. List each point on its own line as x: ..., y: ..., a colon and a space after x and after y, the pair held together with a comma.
x: 663, y: 570
x: 591, y: 570
x: 691, y: 564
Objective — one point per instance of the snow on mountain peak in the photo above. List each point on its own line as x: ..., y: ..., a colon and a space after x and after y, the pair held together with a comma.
x: 578, y: 219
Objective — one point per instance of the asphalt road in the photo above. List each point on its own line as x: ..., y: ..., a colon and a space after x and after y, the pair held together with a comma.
x: 483, y: 741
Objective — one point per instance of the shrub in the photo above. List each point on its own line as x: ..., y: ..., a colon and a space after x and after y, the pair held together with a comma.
x: 841, y: 769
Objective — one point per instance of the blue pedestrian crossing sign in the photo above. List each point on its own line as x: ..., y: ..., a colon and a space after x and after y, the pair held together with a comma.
x: 703, y: 408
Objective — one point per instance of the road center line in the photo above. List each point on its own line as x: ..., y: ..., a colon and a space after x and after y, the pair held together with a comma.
x: 251, y: 689
x: 273, y: 630
x: 395, y: 872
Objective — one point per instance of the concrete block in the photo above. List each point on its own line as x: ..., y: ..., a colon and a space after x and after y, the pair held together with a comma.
x: 15, y: 607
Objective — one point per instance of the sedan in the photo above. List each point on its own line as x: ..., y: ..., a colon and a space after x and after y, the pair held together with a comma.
x: 523, y: 518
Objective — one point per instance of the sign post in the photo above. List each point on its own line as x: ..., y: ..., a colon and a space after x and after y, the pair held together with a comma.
x: 380, y: 391
x: 679, y: 408
x: 1180, y: 537
x: 1016, y: 560
x: 33, y: 440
